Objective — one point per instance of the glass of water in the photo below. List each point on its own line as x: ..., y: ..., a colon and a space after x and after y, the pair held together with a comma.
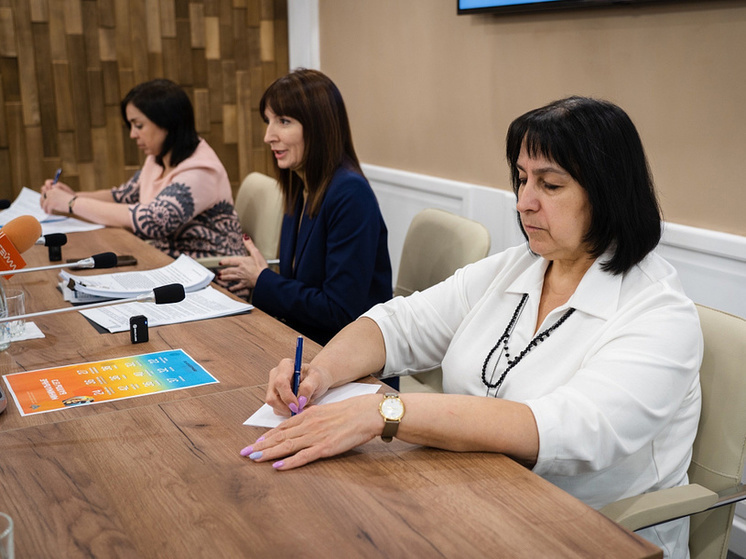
x: 15, y: 301
x: 6, y: 537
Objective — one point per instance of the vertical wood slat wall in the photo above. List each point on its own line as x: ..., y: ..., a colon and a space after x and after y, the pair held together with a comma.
x: 66, y: 64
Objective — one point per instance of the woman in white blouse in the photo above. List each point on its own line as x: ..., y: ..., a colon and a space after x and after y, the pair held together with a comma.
x: 578, y: 357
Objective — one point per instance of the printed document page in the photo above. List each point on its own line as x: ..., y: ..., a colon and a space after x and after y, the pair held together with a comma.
x: 198, y: 305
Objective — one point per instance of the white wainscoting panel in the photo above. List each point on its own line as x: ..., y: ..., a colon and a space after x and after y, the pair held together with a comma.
x: 402, y: 195
x: 711, y: 265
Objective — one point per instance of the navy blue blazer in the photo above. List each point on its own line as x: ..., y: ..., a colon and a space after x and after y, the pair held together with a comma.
x: 342, y: 265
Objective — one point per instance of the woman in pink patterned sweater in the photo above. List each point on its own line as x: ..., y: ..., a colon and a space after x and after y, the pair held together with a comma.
x: 181, y: 199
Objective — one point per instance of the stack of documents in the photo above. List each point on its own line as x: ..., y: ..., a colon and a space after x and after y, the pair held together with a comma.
x: 201, y: 302
x: 122, y: 285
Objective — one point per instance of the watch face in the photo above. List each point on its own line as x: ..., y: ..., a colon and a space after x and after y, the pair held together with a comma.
x: 392, y: 408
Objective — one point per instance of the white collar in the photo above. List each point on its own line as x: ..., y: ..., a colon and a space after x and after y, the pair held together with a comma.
x: 597, y: 294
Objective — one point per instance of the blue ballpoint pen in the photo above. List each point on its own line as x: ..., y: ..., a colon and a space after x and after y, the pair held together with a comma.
x: 298, y: 362
x: 57, y: 175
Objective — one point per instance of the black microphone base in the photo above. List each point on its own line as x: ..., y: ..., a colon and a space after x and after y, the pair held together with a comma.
x: 55, y: 254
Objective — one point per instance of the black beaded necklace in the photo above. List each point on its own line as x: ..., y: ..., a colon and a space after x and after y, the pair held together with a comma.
x: 503, y: 341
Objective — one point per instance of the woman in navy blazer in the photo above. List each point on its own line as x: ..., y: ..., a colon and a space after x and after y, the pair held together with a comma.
x: 334, y: 260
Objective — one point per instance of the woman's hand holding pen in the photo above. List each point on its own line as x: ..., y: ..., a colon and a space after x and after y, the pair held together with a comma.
x: 55, y: 196
x: 243, y: 270
x: 54, y: 184
x: 323, y: 431
x: 314, y: 383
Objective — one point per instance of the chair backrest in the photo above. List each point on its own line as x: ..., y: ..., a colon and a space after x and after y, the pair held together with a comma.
x: 437, y: 244
x: 719, y: 448
x: 259, y: 209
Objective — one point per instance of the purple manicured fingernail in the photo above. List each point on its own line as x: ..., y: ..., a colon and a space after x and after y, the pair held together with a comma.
x: 246, y: 451
x: 255, y: 455
x: 293, y: 408
x: 302, y: 401
x: 260, y: 439
x: 279, y: 464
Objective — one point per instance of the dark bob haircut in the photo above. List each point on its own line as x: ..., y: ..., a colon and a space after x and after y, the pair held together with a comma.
x: 597, y: 144
x: 167, y: 106
x: 312, y: 99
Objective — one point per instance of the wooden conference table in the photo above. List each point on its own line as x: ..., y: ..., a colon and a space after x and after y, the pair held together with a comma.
x: 161, y: 475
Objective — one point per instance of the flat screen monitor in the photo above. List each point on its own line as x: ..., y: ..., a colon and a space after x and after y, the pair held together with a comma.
x: 526, y: 6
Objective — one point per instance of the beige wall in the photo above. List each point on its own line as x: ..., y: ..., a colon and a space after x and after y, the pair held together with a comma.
x: 432, y: 92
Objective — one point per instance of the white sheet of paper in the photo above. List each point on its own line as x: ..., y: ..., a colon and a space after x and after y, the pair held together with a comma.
x: 30, y: 332
x: 198, y: 305
x: 28, y: 203
x: 68, y: 225
x: 266, y: 417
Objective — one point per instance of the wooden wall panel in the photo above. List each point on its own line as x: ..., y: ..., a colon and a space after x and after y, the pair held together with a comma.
x: 7, y: 33
x: 66, y: 64
x: 3, y: 127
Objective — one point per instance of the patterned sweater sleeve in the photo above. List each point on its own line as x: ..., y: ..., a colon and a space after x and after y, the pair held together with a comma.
x: 128, y: 192
x: 189, y: 194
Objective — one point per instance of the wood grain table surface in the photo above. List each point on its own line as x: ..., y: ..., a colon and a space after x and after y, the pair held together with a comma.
x: 161, y: 476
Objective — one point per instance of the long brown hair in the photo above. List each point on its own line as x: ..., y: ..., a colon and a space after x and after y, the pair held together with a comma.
x: 312, y: 99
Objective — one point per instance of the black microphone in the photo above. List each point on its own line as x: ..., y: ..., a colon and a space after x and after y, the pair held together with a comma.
x: 163, y: 295
x: 52, y: 240
x: 4, y: 204
x: 101, y: 260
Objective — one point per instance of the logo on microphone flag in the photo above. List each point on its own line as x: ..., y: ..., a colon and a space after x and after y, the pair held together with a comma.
x: 10, y: 258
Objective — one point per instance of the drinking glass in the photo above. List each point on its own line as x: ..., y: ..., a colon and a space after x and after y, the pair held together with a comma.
x: 16, y: 303
x: 4, y: 328
x: 6, y: 537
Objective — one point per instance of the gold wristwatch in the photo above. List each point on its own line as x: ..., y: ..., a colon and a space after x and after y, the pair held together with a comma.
x: 392, y: 410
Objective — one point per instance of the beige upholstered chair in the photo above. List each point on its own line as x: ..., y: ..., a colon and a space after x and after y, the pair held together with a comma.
x: 719, y: 448
x: 437, y: 244
x: 259, y: 209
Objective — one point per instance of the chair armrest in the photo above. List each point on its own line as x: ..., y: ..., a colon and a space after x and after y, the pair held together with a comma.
x: 635, y: 513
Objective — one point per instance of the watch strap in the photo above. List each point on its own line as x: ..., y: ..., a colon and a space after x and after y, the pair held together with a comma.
x: 389, y: 430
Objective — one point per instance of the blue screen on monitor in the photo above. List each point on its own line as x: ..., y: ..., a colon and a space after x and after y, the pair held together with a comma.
x: 474, y: 4
x: 521, y: 6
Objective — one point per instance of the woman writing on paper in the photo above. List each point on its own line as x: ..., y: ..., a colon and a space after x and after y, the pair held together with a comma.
x: 578, y: 357
x: 334, y: 260
x: 181, y: 199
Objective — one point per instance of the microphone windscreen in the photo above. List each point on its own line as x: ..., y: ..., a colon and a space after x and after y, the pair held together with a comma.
x: 104, y: 260
x: 23, y: 232
x: 4, y: 204
x: 55, y: 240
x: 171, y: 293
